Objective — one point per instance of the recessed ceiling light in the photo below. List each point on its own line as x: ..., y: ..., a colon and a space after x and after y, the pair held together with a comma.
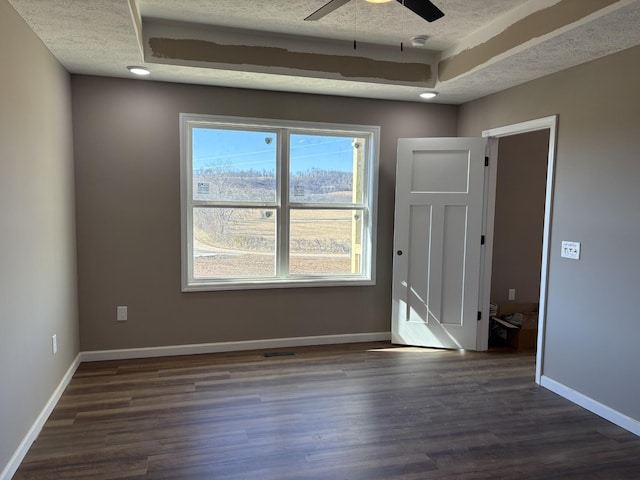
x: 378, y: 1
x: 139, y: 70
x: 428, y: 95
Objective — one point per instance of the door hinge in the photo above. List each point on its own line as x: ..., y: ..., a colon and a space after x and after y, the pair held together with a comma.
x: 479, y: 316
x: 486, y: 161
x: 482, y: 240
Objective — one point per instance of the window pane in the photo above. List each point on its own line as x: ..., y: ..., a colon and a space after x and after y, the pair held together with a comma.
x: 233, y: 165
x: 325, y: 242
x: 233, y: 242
x: 326, y: 169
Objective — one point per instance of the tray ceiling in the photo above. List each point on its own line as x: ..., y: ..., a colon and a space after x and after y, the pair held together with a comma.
x: 476, y: 49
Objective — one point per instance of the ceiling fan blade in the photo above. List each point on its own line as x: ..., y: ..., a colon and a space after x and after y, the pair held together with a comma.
x: 326, y: 9
x: 423, y: 8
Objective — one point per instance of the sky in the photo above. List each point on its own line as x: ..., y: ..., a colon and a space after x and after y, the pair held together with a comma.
x: 246, y: 150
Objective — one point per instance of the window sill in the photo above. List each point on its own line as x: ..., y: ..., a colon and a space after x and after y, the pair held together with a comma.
x: 204, y: 286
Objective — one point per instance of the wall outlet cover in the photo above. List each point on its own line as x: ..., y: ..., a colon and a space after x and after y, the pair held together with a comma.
x: 121, y: 313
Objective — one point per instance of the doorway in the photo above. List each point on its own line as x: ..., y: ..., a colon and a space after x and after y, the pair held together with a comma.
x: 547, y: 129
x: 440, y: 225
x: 517, y: 239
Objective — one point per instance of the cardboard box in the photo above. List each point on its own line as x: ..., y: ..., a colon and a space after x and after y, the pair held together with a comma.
x: 523, y: 337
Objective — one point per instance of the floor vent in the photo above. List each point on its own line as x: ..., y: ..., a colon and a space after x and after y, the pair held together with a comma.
x: 279, y: 354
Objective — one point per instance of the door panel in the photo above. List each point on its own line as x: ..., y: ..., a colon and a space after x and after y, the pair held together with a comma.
x: 440, y: 172
x: 453, y: 255
x: 420, y: 219
x: 439, y: 194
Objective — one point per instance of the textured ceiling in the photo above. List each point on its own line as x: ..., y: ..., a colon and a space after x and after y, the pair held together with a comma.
x: 99, y: 37
x: 387, y: 24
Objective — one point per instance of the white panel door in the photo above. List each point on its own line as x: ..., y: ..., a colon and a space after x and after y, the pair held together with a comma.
x: 438, y: 227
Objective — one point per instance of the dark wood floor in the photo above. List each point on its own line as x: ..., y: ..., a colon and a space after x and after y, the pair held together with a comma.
x: 356, y: 412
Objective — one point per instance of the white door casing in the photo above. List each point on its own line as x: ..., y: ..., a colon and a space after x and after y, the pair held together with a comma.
x: 437, y: 242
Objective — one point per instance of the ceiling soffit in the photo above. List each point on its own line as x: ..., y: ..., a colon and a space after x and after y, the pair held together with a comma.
x: 508, y: 40
x: 242, y: 50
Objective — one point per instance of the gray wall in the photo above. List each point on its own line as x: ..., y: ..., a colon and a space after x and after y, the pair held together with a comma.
x: 37, y: 240
x: 519, y: 216
x: 128, y: 235
x: 127, y: 158
x: 593, y: 324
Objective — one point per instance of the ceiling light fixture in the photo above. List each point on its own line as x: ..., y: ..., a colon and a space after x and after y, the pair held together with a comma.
x: 428, y: 95
x: 139, y: 70
x: 378, y: 1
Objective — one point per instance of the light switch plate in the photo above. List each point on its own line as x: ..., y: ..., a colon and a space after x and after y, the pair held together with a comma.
x: 571, y: 250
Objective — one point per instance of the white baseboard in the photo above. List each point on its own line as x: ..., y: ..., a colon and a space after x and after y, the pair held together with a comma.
x: 592, y: 405
x: 16, y: 459
x: 171, y: 350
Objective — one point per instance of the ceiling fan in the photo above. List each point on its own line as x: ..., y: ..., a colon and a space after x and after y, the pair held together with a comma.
x: 423, y: 8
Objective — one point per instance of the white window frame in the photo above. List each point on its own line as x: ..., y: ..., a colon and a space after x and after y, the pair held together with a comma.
x: 284, y: 129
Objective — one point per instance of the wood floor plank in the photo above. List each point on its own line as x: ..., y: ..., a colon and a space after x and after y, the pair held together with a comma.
x: 361, y: 411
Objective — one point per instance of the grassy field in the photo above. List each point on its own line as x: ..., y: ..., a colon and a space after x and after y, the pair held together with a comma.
x: 256, y: 265
x: 243, y: 241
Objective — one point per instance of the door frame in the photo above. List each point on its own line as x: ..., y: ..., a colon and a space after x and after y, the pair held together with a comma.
x: 546, y: 123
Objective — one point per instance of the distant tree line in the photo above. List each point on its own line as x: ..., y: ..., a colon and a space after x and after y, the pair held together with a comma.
x: 249, y: 184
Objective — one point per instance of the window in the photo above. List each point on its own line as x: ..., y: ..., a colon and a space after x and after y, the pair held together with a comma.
x: 276, y: 204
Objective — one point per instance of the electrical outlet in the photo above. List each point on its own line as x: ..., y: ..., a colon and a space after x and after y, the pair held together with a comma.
x: 512, y: 294
x: 121, y: 311
x: 571, y: 250
x: 54, y: 344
